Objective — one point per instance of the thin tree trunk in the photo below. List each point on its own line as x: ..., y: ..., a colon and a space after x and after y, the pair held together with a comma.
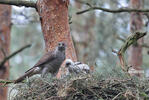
x: 55, y: 25
x: 136, y: 23
x: 5, y: 25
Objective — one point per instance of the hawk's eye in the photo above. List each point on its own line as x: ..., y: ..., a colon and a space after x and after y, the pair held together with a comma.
x: 67, y: 64
x: 59, y: 44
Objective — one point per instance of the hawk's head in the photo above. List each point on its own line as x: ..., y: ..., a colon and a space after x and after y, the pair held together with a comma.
x: 61, y: 46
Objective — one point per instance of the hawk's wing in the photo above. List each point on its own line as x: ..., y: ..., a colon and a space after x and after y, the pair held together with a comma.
x: 47, y: 57
x: 77, y: 63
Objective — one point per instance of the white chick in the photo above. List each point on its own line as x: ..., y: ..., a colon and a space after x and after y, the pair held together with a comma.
x: 76, y: 67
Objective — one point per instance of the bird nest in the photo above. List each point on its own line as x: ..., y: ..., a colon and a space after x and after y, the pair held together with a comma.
x: 81, y: 88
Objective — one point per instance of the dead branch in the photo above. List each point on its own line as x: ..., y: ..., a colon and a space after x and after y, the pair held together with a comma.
x: 128, y: 42
x: 26, y: 3
x: 120, y: 10
x: 13, y: 54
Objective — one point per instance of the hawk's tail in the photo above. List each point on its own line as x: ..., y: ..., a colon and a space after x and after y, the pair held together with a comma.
x: 27, y: 74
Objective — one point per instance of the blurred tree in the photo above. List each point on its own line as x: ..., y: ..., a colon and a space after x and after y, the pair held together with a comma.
x: 136, y: 24
x: 93, y: 32
x: 5, y: 26
x: 84, y: 36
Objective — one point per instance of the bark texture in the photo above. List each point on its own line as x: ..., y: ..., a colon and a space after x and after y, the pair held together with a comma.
x: 5, y: 25
x: 55, y: 25
x: 136, y: 23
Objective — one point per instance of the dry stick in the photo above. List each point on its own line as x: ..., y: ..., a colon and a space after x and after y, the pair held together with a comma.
x: 128, y: 42
x: 13, y: 54
x: 120, y: 10
x: 5, y: 82
x: 117, y: 96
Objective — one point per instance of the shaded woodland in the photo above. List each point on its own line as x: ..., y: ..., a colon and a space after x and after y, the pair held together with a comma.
x: 111, y: 36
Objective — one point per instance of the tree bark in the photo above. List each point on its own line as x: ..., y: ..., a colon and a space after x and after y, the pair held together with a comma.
x: 55, y: 25
x: 136, y: 23
x: 5, y: 25
x: 27, y: 3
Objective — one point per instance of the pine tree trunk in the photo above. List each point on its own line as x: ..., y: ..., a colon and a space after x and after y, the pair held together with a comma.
x: 136, y: 24
x: 55, y: 25
x: 5, y: 25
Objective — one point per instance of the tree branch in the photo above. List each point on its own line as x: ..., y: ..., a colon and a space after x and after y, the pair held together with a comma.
x: 120, y: 10
x: 120, y: 38
x: 128, y: 42
x: 123, y: 40
x: 5, y: 82
x: 26, y: 3
x: 83, y: 2
x: 13, y: 54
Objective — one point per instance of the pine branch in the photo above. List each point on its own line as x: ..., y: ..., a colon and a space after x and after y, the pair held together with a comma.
x: 26, y: 3
x: 13, y: 54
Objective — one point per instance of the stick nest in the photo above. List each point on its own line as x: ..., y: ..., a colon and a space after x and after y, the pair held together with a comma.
x: 81, y: 88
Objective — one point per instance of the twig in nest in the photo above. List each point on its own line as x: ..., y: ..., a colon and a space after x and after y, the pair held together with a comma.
x: 12, y: 55
x: 117, y: 96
